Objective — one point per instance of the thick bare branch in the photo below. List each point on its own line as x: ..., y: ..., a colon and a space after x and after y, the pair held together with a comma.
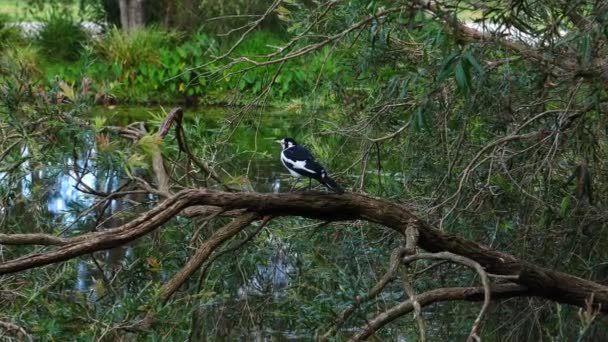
x: 33, y: 239
x: 542, y: 282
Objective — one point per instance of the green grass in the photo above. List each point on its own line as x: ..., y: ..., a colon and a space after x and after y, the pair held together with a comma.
x: 12, y: 8
x: 19, y: 10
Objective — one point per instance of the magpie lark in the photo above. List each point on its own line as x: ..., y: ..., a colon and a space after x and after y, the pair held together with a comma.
x: 300, y: 163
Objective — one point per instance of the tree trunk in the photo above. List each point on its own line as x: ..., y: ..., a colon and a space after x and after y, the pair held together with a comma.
x: 131, y: 14
x: 136, y: 14
x: 123, y: 5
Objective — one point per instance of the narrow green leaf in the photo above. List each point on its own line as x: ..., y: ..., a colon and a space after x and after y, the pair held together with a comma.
x: 473, y: 62
x: 462, y: 77
x: 565, y: 206
x: 448, y: 66
x: 585, y: 50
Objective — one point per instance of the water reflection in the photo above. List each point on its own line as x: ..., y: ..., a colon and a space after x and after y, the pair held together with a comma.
x: 26, y: 181
x: 273, y: 277
x: 83, y: 283
x: 276, y: 184
x: 62, y: 185
x: 66, y: 192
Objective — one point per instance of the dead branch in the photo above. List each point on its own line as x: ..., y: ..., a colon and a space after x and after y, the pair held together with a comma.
x: 411, y: 240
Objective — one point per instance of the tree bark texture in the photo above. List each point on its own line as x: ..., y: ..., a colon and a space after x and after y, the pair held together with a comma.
x: 131, y: 13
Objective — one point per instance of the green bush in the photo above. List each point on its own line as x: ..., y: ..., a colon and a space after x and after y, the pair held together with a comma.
x: 297, y: 78
x: 9, y: 35
x: 61, y: 37
x: 128, y: 49
x: 20, y: 59
x: 151, y: 64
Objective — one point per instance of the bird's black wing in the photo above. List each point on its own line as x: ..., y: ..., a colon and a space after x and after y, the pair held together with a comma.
x: 298, y: 153
x: 303, y: 162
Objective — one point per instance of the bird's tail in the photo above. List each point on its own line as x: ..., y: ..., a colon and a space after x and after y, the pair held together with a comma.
x: 332, y: 185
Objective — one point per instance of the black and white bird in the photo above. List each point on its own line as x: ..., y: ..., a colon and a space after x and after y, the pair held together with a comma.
x: 300, y: 163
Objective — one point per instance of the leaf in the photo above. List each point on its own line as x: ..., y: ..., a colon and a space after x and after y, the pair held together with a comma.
x: 149, y: 144
x: 448, y: 66
x: 473, y: 62
x: 420, y: 119
x: 585, y: 50
x: 565, y: 206
x: 154, y: 265
x: 134, y: 161
x: 100, y: 287
x: 99, y: 122
x: 67, y: 90
x: 283, y: 13
x: 462, y: 77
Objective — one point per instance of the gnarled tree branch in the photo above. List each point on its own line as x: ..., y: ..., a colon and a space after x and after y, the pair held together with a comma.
x: 540, y: 281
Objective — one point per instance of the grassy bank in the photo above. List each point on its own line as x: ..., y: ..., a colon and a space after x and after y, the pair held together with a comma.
x: 20, y: 10
x: 155, y: 65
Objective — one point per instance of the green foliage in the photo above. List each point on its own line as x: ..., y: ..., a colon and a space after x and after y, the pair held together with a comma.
x: 470, y: 134
x: 461, y: 65
x: 61, y: 36
x: 293, y: 79
x: 9, y: 34
x: 128, y: 49
x: 153, y: 64
x: 24, y: 59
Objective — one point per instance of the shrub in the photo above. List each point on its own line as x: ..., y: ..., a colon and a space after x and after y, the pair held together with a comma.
x: 151, y: 64
x: 9, y: 35
x: 22, y: 59
x: 131, y: 48
x: 61, y: 36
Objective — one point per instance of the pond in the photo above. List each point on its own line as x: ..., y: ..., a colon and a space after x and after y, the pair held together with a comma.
x: 248, y: 158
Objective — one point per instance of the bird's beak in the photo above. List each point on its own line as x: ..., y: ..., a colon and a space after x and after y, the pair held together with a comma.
x: 278, y: 141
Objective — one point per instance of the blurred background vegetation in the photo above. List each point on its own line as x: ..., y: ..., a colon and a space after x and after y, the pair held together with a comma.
x: 405, y: 107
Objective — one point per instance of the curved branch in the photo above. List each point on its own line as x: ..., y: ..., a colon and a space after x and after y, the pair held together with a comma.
x: 433, y: 296
x: 390, y: 274
x: 467, y: 262
x: 204, y: 251
x: 542, y: 282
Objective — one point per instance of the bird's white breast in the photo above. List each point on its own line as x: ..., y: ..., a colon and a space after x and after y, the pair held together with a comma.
x: 286, y: 160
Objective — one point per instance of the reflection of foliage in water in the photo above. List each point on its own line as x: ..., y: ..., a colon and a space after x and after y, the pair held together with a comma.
x: 261, y: 276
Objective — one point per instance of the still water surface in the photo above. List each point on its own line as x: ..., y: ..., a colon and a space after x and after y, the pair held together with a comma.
x: 252, y: 142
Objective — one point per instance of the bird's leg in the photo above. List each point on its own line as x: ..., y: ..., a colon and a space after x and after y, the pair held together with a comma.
x: 309, y: 184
